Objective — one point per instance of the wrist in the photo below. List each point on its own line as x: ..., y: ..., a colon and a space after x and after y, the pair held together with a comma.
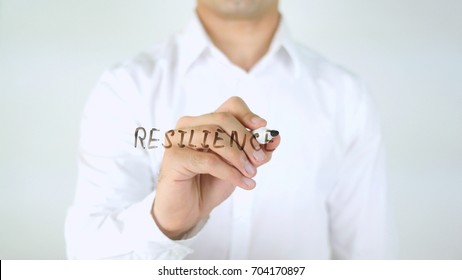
x: 174, y: 229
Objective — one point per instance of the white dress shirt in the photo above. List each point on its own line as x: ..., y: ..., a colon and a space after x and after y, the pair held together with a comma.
x: 323, y: 194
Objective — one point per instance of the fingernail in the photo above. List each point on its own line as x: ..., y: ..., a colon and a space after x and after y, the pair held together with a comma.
x: 249, y: 182
x: 249, y: 168
x: 256, y: 119
x: 259, y: 155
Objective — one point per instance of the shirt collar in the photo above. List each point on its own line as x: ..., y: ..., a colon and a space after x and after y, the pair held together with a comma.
x: 194, y: 41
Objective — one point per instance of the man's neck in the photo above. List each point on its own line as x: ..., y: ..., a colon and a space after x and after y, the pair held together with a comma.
x: 243, y: 41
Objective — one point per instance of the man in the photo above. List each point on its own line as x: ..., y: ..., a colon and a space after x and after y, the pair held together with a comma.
x: 319, y: 193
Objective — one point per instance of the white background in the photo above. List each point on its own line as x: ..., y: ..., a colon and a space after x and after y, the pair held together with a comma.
x: 148, y: 270
x: 53, y: 51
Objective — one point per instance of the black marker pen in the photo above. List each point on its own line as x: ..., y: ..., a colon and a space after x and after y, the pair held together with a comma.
x: 264, y: 135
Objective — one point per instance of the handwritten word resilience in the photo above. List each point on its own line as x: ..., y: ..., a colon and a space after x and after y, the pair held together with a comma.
x: 186, y: 139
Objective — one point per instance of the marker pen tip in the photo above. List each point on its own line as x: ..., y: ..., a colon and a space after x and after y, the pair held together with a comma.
x: 274, y: 133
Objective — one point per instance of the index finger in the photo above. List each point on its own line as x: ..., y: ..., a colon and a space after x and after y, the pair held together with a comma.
x: 239, y: 109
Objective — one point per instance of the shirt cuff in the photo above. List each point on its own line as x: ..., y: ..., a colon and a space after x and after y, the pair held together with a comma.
x: 149, y: 241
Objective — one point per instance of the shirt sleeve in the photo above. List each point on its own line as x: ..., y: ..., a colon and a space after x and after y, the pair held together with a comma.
x: 359, y: 216
x: 111, y: 214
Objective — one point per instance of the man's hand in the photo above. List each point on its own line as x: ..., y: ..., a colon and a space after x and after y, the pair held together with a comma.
x: 194, y: 180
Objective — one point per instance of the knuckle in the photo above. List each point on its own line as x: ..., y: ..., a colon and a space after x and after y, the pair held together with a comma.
x: 248, y: 115
x: 182, y: 122
x: 235, y: 100
x: 239, y: 157
x: 234, y: 175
